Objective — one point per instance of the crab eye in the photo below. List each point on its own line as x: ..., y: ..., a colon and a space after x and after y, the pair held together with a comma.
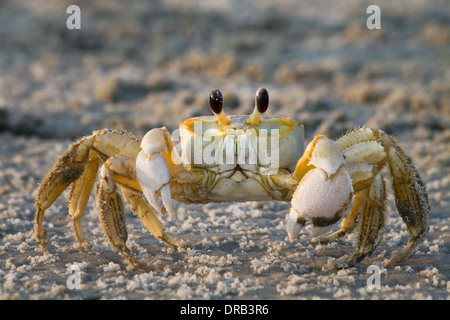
x: 216, y: 101
x: 262, y: 100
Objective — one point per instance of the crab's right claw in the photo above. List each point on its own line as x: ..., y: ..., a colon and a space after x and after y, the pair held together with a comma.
x: 294, y: 224
x: 153, y: 173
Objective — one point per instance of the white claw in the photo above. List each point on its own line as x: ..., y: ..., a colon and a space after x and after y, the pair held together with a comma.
x: 153, y: 174
x: 167, y: 200
x: 152, y: 198
x: 292, y: 226
x: 154, y: 142
x: 327, y: 156
x: 317, y: 196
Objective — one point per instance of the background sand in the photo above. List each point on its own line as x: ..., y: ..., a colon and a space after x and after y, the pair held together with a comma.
x: 140, y: 65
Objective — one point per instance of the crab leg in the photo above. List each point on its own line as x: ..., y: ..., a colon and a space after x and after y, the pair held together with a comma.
x: 123, y: 170
x: 112, y: 216
x: 78, y: 165
x: 80, y: 193
x: 376, y: 148
x: 411, y: 198
x: 371, y: 210
x: 67, y: 169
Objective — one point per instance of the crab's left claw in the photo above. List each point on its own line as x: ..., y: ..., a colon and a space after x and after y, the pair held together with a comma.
x: 324, y: 191
x: 153, y: 172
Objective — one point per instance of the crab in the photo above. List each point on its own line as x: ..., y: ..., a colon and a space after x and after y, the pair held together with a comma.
x: 253, y: 157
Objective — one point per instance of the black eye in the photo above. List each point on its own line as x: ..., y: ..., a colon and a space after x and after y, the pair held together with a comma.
x: 216, y: 101
x: 262, y: 100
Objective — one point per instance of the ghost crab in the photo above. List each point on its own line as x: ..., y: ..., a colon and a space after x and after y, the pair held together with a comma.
x: 219, y: 162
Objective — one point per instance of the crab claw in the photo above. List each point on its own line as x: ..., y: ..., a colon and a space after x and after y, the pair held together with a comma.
x: 324, y: 192
x: 153, y: 173
x: 294, y: 224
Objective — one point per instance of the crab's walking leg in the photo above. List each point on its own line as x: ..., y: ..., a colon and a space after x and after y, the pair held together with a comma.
x: 67, y: 169
x: 78, y: 165
x: 411, y: 197
x: 112, y: 216
x: 80, y: 193
x: 123, y: 170
x: 371, y: 210
x: 376, y: 148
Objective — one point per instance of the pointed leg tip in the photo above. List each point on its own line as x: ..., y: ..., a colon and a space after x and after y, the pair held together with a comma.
x: 128, y: 256
x: 401, y: 256
x: 173, y: 243
x: 394, y: 260
x: 41, y: 239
